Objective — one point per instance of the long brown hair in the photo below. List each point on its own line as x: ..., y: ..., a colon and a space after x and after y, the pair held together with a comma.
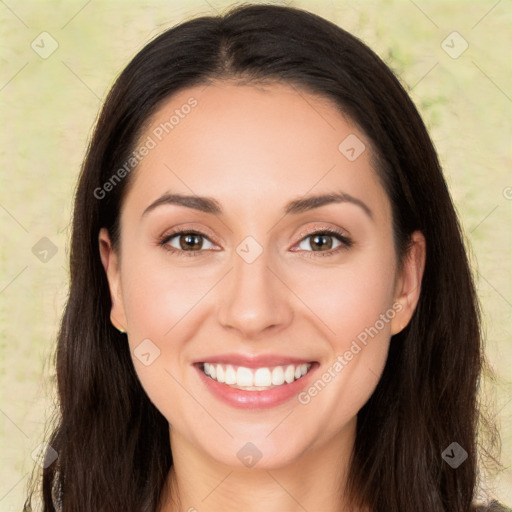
x: 427, y: 395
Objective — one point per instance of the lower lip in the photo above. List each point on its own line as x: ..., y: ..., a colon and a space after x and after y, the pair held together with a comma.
x: 256, y: 399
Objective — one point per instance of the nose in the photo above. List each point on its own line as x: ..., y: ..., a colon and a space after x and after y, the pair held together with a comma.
x: 254, y: 298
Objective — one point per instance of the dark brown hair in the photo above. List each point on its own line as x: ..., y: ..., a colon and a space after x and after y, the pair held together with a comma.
x: 427, y: 395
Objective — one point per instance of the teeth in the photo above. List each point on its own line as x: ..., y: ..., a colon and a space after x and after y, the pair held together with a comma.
x: 229, y: 375
x: 289, y: 374
x: 244, y: 377
x: 277, y: 376
x: 255, y: 379
x: 262, y: 377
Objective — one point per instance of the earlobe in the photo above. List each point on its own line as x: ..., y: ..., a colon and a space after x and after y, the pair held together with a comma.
x: 408, y: 287
x: 110, y: 261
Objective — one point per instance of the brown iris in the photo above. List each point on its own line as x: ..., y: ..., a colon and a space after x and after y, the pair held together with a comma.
x: 321, y: 242
x: 191, y: 241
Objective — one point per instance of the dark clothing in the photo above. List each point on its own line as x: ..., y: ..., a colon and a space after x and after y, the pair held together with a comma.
x: 493, y: 506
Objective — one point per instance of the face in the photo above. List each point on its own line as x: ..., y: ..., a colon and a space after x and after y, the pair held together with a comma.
x: 258, y: 282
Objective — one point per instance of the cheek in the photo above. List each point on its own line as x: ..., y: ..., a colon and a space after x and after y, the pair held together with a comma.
x: 162, y: 301
x: 158, y: 295
x: 159, y: 300
x: 354, y: 304
x: 349, y: 298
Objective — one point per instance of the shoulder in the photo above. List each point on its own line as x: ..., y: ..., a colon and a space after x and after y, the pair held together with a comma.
x: 493, y: 506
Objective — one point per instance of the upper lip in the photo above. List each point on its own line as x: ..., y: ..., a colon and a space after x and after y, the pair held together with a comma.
x: 254, y: 361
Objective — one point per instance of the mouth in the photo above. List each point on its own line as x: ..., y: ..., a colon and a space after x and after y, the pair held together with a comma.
x: 255, y: 379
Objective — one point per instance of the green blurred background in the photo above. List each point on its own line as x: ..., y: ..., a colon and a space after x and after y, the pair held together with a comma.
x: 49, y: 104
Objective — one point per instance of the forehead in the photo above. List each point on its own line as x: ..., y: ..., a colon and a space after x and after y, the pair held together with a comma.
x: 243, y: 144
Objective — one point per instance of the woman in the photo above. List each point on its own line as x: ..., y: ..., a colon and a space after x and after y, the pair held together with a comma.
x: 271, y: 305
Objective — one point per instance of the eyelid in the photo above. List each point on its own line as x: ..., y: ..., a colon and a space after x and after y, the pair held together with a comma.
x: 323, y: 229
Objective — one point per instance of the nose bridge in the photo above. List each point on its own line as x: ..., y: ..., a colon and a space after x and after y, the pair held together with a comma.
x: 254, y: 298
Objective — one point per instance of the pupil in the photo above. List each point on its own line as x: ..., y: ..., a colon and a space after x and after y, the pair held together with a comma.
x: 321, y: 244
x: 191, y: 241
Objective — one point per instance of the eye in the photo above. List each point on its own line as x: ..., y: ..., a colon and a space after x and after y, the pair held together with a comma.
x: 324, y: 242
x: 191, y: 243
x: 186, y: 241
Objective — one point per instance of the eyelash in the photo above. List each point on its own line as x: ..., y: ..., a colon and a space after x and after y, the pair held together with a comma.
x: 346, y: 242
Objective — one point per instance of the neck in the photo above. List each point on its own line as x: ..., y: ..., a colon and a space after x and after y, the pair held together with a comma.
x: 313, y: 481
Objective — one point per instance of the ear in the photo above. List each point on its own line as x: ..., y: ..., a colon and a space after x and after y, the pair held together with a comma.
x: 110, y: 261
x: 408, y: 284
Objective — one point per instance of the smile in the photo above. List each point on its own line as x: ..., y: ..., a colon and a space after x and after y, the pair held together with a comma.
x: 255, y: 379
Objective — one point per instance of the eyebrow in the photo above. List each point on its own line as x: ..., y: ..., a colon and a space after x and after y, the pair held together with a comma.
x: 210, y: 205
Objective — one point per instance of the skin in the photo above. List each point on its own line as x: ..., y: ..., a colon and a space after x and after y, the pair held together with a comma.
x: 254, y: 149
